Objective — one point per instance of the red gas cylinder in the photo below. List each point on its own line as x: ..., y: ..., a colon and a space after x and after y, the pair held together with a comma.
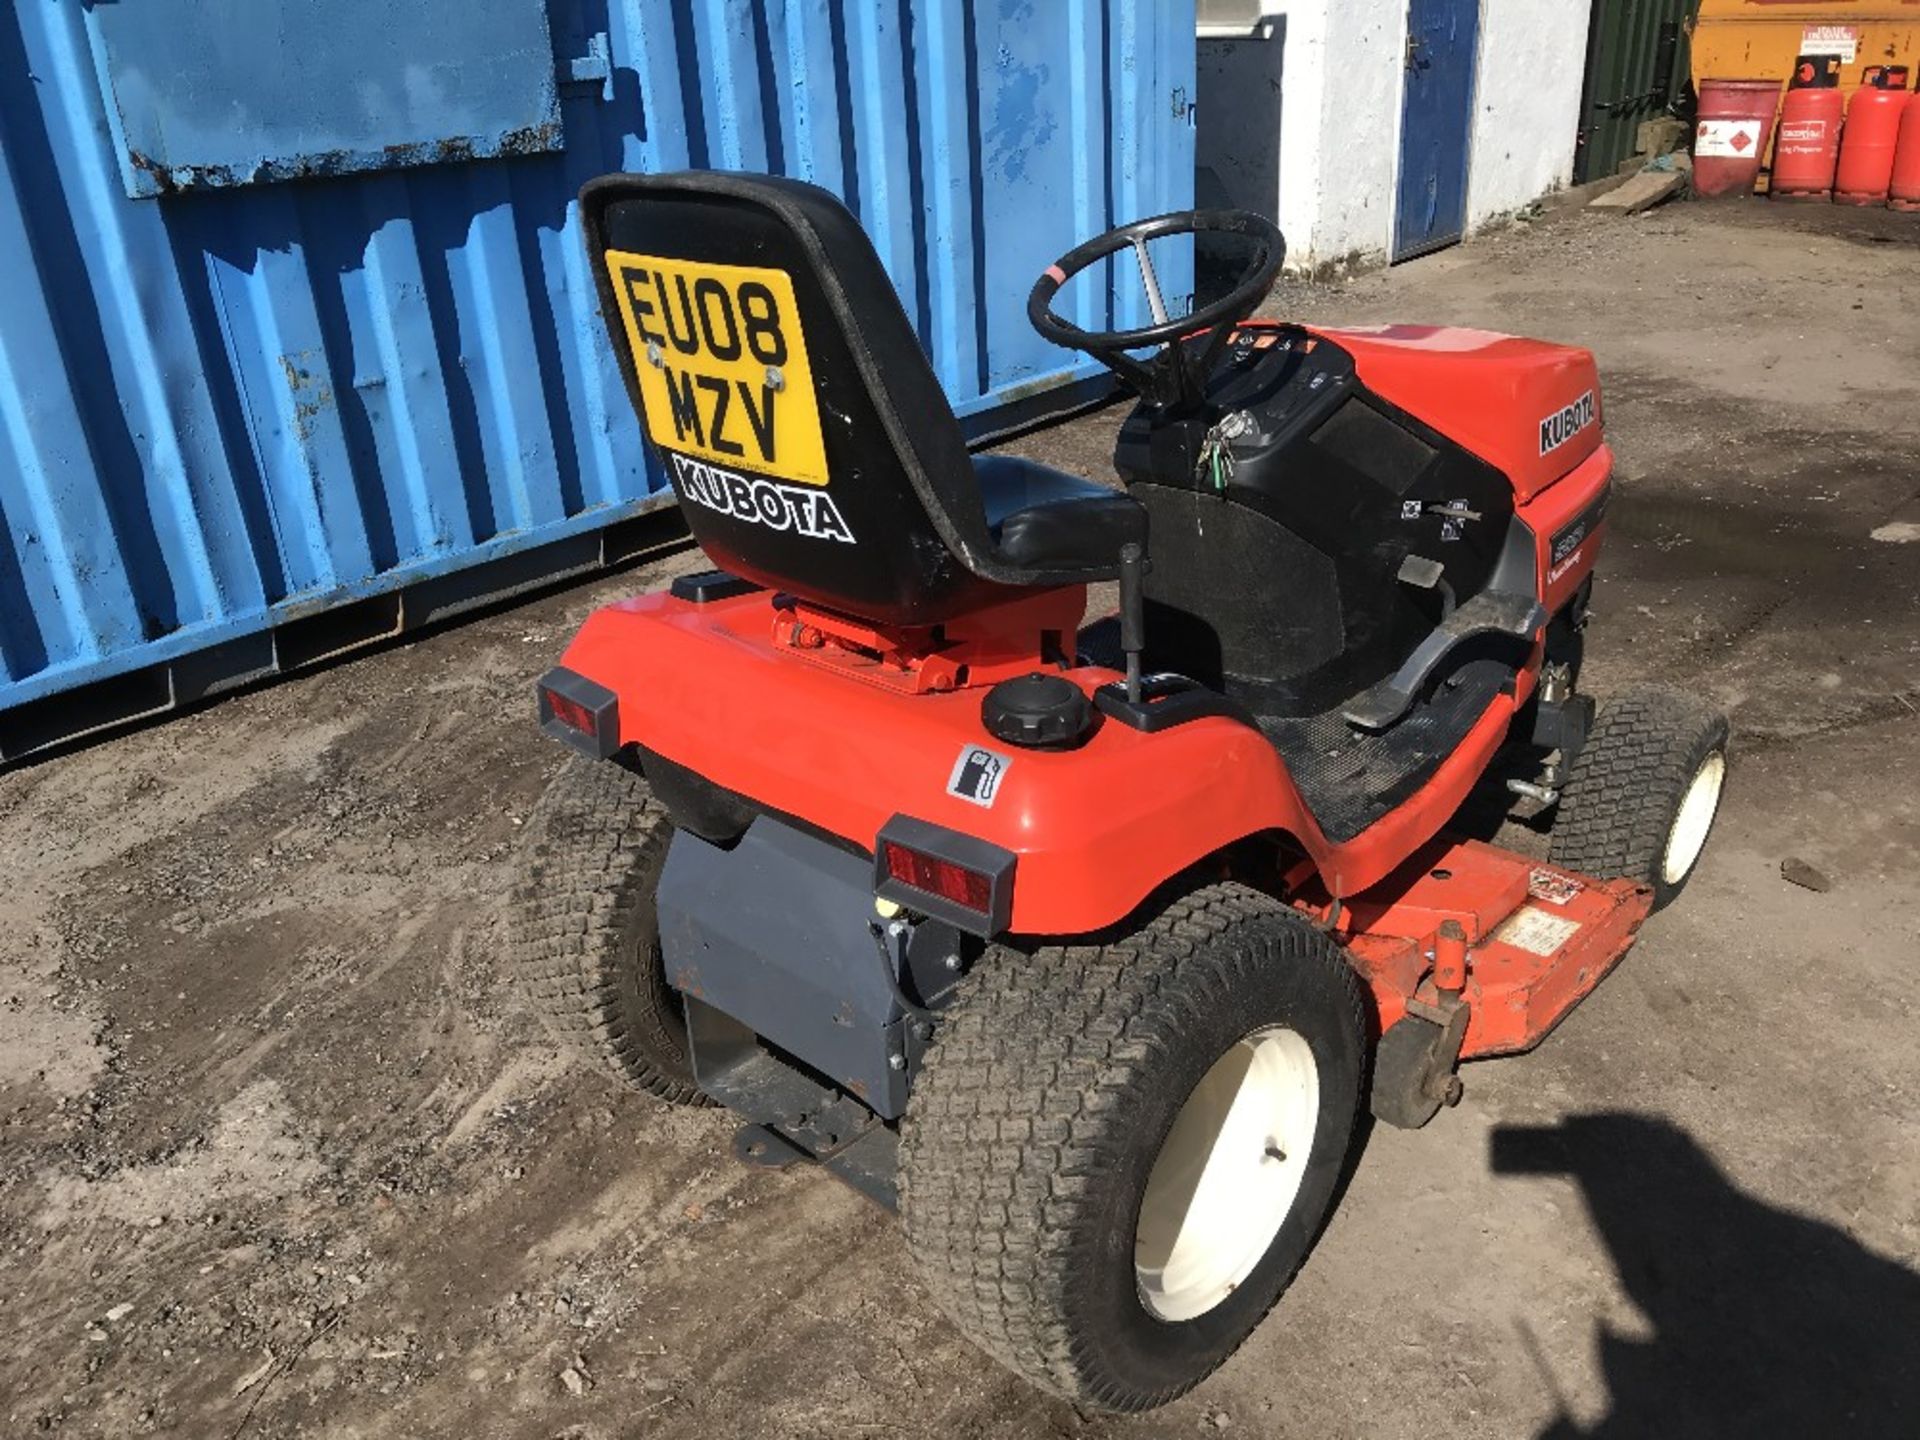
x: 1736, y: 121
x: 1809, y: 145
x: 1906, y: 162
x: 1865, y: 172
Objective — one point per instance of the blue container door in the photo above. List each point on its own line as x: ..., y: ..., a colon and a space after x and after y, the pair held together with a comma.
x: 1436, y: 125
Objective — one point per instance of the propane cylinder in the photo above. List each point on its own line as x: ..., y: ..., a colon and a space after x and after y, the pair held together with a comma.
x: 1865, y: 172
x: 1905, y: 185
x: 1808, y: 150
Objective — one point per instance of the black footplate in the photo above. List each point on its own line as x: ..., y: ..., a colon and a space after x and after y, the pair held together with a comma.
x: 1492, y: 612
x: 1350, y: 778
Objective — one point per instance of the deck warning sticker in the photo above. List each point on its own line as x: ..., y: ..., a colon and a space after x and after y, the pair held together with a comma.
x: 1536, y: 931
x: 1552, y: 887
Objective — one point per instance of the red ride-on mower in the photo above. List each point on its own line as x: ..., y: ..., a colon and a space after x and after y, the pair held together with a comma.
x: 1085, y: 949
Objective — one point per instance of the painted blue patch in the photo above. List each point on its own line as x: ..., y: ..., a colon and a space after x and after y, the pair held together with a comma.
x: 234, y: 92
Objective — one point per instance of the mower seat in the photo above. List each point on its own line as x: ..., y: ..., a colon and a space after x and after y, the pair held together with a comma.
x: 826, y: 463
x: 1045, y: 519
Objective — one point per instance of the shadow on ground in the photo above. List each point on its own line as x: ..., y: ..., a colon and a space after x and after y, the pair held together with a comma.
x: 1763, y: 1323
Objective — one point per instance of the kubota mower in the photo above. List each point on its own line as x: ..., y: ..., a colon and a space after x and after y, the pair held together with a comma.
x: 1085, y: 949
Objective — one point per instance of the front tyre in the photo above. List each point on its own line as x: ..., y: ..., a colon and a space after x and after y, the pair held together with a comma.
x: 1118, y: 1155
x: 1643, y: 793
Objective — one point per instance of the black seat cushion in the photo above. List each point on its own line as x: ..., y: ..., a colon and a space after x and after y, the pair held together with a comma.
x: 1045, y: 519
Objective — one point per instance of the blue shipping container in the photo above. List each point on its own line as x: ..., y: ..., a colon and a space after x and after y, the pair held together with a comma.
x: 298, y: 344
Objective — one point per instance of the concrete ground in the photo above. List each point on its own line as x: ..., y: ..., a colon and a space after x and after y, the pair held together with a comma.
x: 278, y: 1157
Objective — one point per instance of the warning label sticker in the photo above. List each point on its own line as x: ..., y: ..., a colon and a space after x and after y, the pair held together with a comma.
x: 1552, y: 886
x: 1727, y: 139
x: 1536, y: 931
x: 1841, y: 40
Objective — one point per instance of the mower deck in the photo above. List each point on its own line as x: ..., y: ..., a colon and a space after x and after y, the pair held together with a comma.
x: 1537, y: 939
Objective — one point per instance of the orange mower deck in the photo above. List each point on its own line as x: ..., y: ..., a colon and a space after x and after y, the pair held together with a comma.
x: 1533, y: 940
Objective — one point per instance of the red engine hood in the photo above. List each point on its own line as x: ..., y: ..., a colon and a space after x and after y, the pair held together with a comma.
x: 1526, y: 406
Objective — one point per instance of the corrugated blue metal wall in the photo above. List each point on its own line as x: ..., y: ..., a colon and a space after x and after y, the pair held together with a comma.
x: 237, y: 405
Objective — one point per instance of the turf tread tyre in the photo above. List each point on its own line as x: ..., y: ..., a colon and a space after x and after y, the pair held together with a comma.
x: 1617, y: 809
x: 1030, y: 1094
x: 582, y: 934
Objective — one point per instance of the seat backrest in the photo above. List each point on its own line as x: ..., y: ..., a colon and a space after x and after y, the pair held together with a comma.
x: 806, y: 435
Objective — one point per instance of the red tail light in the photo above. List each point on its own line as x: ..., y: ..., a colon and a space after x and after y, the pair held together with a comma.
x: 570, y: 713
x: 944, y: 874
x: 939, y: 877
x: 579, y: 712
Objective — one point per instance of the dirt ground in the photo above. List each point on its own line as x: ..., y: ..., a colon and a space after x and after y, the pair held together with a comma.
x: 278, y: 1157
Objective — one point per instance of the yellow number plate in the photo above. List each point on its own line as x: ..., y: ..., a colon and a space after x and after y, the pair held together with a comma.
x: 722, y: 363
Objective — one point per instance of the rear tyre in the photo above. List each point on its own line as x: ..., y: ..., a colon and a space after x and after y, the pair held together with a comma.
x: 1117, y: 1155
x: 584, y: 938
x: 1643, y: 793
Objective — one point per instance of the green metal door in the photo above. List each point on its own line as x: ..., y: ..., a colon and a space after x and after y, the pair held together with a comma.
x: 1636, y: 70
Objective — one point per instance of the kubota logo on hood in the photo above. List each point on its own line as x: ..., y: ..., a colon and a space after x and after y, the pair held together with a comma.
x: 1561, y: 426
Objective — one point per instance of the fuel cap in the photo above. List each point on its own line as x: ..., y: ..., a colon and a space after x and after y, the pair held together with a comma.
x: 1038, y: 711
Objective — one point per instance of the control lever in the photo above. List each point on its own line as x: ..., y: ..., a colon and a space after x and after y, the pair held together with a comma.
x: 1133, y: 614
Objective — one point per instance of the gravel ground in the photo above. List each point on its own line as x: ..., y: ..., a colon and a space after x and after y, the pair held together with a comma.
x: 279, y: 1158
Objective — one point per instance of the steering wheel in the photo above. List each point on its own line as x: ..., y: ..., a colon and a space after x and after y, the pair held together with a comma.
x: 1173, y: 374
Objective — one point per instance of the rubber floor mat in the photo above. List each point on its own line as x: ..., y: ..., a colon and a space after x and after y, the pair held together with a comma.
x: 1350, y: 778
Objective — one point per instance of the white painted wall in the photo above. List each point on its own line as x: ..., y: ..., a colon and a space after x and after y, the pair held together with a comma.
x: 1533, y: 58
x: 1305, y: 125
x: 1359, y: 133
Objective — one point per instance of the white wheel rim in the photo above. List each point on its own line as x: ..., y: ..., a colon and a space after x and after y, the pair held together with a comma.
x: 1695, y: 818
x: 1227, y: 1174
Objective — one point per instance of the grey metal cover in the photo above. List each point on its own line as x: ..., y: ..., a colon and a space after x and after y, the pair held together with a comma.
x: 774, y: 933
